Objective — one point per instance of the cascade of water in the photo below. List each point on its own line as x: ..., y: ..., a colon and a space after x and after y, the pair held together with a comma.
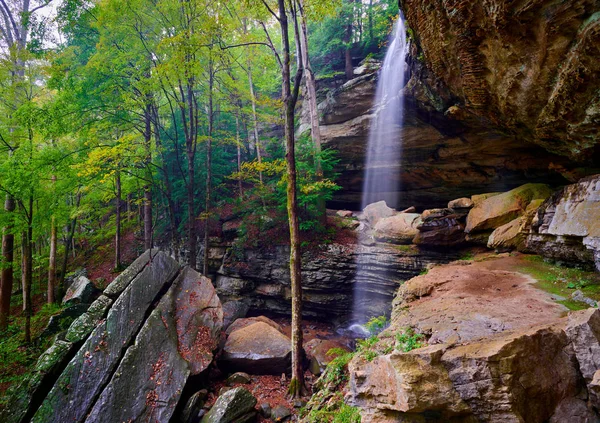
x: 382, y: 167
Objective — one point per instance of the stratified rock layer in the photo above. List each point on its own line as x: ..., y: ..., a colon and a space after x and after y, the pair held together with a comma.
x: 567, y: 225
x: 261, y: 280
x: 530, y: 68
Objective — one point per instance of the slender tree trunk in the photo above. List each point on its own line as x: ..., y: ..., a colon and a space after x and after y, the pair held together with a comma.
x: 6, y: 281
x: 129, y: 207
x: 255, y: 122
x: 174, y: 224
x: 52, y: 263
x: 311, y: 98
x: 297, y: 387
x: 71, y: 235
x: 348, y: 40
x: 27, y: 269
x: 148, y: 187
x: 118, y: 221
x: 208, y: 167
x: 239, y: 153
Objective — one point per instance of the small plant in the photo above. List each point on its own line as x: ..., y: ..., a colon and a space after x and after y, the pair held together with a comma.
x: 376, y: 324
x: 467, y: 256
x: 424, y: 272
x: 409, y: 340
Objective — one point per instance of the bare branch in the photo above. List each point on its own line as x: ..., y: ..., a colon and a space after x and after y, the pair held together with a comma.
x: 270, y: 10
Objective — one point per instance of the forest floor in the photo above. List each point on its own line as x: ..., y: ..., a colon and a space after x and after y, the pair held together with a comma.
x: 273, y: 389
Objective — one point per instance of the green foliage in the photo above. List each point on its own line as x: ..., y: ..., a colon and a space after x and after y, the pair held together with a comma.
x: 371, y: 23
x: 327, y: 403
x: 16, y: 358
x: 263, y: 209
x: 561, y: 280
x: 468, y: 256
x: 377, y: 324
x: 409, y: 340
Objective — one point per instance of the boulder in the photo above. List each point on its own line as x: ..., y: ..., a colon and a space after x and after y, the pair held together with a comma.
x: 239, y: 377
x: 513, y: 235
x: 432, y: 214
x: 344, y: 213
x: 317, y: 351
x: 374, y: 212
x: 61, y: 321
x: 440, y: 232
x: 81, y: 291
x: 461, y: 203
x: 280, y: 413
x: 398, y: 229
x: 567, y: 225
x: 192, y: 408
x: 257, y: 349
x: 583, y: 329
x: 234, y: 406
x: 501, y: 209
x: 517, y: 377
x: 86, y: 323
x: 242, y: 323
x: 87, y: 373
x: 233, y: 310
x: 574, y: 410
x: 176, y: 341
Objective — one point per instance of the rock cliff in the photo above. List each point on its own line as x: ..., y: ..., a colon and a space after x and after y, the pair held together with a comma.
x: 500, y: 94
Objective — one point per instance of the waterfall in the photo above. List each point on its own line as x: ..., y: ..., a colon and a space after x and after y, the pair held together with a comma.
x: 384, y: 149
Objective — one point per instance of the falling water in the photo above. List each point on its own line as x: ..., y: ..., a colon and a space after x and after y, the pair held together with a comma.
x: 384, y: 148
x: 382, y: 168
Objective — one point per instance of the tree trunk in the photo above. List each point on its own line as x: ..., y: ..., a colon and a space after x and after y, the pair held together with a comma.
x: 208, y: 167
x: 71, y: 231
x: 297, y: 387
x: 6, y: 281
x: 52, y: 263
x: 348, y: 40
x: 118, y: 220
x: 239, y: 153
x: 311, y: 98
x: 147, y: 187
x: 27, y: 268
x: 255, y: 122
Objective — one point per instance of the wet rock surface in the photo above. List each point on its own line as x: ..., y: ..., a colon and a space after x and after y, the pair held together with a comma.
x: 81, y: 291
x: 235, y: 405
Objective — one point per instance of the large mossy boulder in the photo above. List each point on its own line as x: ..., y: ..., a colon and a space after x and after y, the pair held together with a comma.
x: 258, y: 348
x: 89, y: 371
x: 498, y: 210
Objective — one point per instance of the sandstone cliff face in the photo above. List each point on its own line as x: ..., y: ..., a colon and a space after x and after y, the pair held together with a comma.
x: 528, y: 67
